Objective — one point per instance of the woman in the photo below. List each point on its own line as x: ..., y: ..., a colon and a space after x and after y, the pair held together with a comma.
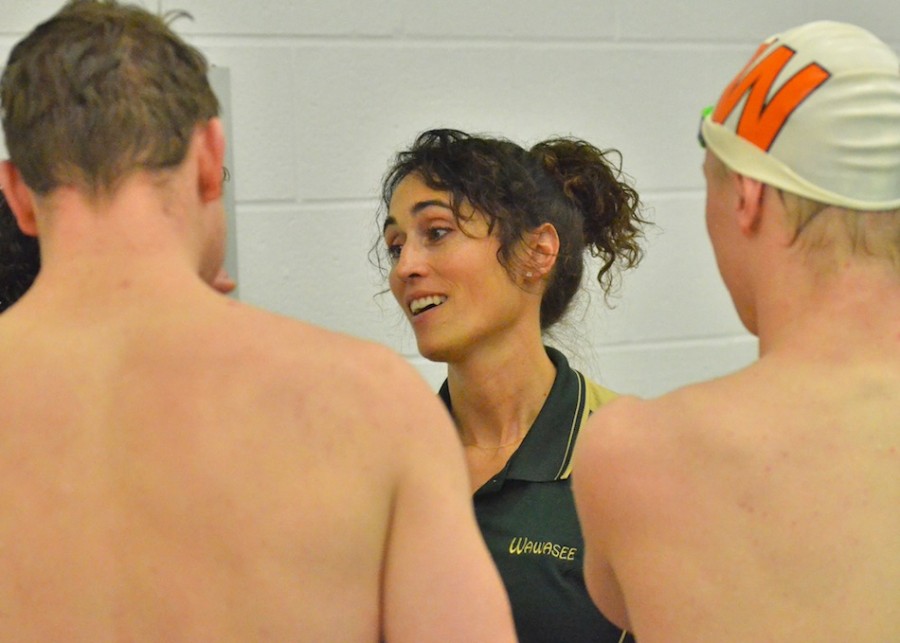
x: 487, y: 245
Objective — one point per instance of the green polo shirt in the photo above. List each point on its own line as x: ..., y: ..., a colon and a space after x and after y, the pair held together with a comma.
x: 527, y: 517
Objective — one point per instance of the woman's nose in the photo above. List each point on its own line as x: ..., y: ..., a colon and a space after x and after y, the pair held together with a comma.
x: 411, y: 262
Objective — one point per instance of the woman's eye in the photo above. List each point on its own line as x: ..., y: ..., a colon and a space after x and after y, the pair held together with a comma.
x: 436, y: 234
x: 394, y: 250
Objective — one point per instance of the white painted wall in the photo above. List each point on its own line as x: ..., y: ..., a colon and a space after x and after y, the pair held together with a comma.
x: 323, y: 92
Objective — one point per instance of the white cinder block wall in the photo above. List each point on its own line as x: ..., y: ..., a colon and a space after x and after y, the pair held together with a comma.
x: 325, y: 91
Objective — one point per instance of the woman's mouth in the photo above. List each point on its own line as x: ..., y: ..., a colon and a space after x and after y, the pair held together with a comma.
x: 420, y: 305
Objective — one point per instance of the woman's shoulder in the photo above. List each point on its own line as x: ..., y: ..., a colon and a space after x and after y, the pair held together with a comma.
x: 596, y: 395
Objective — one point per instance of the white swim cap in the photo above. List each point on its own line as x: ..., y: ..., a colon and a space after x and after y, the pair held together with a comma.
x: 815, y: 112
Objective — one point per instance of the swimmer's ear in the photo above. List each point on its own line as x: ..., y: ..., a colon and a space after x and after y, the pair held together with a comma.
x: 211, y: 159
x: 749, y: 203
x: 19, y: 197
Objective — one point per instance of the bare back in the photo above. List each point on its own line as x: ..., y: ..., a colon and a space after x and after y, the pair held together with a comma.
x: 764, y: 506
x: 199, y: 470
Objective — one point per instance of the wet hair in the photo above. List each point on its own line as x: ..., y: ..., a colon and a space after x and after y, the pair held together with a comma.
x: 566, y: 182
x: 821, y: 228
x: 838, y: 232
x: 20, y: 258
x: 98, y: 91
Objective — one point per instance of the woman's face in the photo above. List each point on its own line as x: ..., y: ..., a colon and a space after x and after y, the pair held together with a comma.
x: 447, y: 279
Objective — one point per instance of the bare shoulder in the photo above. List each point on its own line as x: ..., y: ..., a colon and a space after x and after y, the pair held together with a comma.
x: 684, y: 406
x: 624, y: 426
x: 335, y: 354
x: 630, y: 435
x: 344, y: 374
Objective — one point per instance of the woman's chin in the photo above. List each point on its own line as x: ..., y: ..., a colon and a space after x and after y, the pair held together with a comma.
x: 433, y: 352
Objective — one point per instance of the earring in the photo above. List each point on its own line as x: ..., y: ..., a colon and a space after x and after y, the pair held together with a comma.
x: 529, y: 275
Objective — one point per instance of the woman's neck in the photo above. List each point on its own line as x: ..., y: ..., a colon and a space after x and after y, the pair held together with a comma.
x: 497, y: 394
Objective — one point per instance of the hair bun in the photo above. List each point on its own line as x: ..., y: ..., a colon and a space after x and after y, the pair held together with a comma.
x: 592, y: 180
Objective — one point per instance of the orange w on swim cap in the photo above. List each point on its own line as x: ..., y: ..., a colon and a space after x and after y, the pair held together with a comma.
x: 816, y: 112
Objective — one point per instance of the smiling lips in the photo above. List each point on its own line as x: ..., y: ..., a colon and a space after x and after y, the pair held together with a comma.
x: 420, y: 305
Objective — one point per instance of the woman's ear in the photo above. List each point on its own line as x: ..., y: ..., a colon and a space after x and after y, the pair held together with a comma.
x: 19, y: 197
x: 542, y: 248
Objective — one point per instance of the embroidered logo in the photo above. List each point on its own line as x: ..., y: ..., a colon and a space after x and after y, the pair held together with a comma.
x: 522, y: 545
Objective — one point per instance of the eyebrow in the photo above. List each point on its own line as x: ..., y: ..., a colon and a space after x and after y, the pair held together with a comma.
x: 416, y: 209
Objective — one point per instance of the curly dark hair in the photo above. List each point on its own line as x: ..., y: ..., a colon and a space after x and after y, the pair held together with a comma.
x: 567, y: 182
x: 20, y: 258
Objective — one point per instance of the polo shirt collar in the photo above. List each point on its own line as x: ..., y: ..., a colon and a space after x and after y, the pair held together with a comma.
x: 546, y: 450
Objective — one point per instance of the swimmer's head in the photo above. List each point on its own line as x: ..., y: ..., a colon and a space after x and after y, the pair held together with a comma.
x: 98, y: 91
x: 816, y: 112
